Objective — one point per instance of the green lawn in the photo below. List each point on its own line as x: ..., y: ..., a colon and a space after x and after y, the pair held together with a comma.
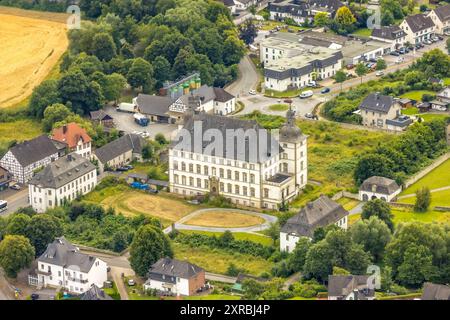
x: 348, y: 203
x: 417, y: 94
x: 19, y: 131
x: 430, y: 116
x: 439, y: 177
x: 446, y: 81
x: 217, y: 260
x: 439, y: 198
x: 365, y: 32
x: 264, y: 240
x: 279, y: 107
x: 410, y: 111
x: 407, y: 215
x: 213, y: 297
x: 283, y: 94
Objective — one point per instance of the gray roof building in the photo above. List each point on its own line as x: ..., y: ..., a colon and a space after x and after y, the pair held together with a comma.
x: 62, y: 253
x: 120, y: 146
x: 377, y: 102
x: 433, y: 291
x: 100, y: 115
x: 62, y: 171
x: 379, y: 185
x: 168, y: 270
x: 319, y: 213
x: 222, y: 95
x: 341, y: 286
x: 388, y: 33
x: 443, y: 12
x: 153, y: 105
x: 95, y: 294
x: 419, y: 22
x: 34, y: 150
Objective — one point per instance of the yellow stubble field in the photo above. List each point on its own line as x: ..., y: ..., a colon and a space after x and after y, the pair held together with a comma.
x: 31, y: 43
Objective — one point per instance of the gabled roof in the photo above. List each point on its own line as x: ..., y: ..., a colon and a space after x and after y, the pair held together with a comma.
x: 205, y: 93
x: 433, y: 291
x: 389, y: 33
x: 222, y: 95
x: 34, y: 150
x: 228, y: 3
x: 95, y: 293
x: 100, y: 115
x: 172, y: 269
x: 70, y: 134
x: 343, y: 285
x: 153, y: 105
x: 241, y: 149
x: 377, y: 102
x: 381, y: 184
x: 120, y: 146
x: 319, y: 213
x: 419, y: 22
x: 62, y: 253
x: 443, y: 12
x: 62, y: 171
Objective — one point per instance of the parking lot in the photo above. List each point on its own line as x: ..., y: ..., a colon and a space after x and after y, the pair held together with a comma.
x: 125, y: 122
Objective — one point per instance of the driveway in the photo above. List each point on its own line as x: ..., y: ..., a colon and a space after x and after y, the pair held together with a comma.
x: 125, y: 122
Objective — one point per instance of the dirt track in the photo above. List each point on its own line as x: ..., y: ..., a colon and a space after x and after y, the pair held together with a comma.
x: 30, y: 48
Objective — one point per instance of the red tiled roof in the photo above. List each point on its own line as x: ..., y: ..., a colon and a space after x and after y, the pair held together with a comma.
x: 71, y: 134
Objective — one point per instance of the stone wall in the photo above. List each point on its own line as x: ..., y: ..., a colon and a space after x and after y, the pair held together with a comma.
x: 427, y: 170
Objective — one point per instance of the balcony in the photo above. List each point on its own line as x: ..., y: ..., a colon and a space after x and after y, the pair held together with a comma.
x: 83, y: 281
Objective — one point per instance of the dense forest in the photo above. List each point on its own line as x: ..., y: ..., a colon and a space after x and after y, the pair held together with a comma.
x: 141, y: 44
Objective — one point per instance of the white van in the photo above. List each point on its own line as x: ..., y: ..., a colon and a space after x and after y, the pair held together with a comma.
x: 306, y: 94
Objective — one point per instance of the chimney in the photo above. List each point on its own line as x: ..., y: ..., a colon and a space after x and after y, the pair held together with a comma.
x: 377, y: 95
x: 65, y: 129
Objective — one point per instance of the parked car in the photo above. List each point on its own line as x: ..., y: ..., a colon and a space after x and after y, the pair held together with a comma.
x: 34, y: 296
x: 128, y: 166
x: 15, y: 187
x: 350, y: 66
x: 252, y: 92
x: 195, y: 202
x: 439, y: 37
x: 372, y: 60
x: 394, y: 53
x: 325, y: 90
x: 428, y: 42
x: 306, y: 94
x: 309, y: 115
x: 399, y: 60
x: 122, y: 169
x: 131, y: 282
x: 379, y: 73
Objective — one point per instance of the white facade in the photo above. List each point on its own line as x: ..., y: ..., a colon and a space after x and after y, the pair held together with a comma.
x: 42, y: 198
x: 416, y: 37
x: 83, y: 149
x: 23, y: 174
x: 371, y: 195
x: 180, y: 287
x: 70, y: 277
x: 441, y: 26
x: 224, y: 108
x: 288, y: 241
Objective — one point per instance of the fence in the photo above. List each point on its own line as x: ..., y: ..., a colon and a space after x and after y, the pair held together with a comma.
x: 345, y: 194
x: 427, y: 170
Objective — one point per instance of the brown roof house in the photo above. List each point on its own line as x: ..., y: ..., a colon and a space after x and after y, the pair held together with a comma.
x: 379, y: 188
x: 75, y: 137
x: 319, y: 213
x: 175, y: 277
x: 350, y: 287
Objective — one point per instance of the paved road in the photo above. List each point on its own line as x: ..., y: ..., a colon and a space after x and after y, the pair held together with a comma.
x: 16, y: 200
x: 179, y: 225
x: 247, y: 80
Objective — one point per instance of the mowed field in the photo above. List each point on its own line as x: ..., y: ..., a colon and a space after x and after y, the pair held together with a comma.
x: 32, y: 43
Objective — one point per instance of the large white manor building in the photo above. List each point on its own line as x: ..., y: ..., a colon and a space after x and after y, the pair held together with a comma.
x: 265, y: 180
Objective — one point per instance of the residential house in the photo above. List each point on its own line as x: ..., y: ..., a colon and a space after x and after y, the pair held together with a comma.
x: 24, y: 158
x: 5, y: 178
x: 95, y: 294
x: 441, y: 18
x: 62, y: 180
x: 393, y: 35
x: 302, y: 11
x: 119, y: 152
x: 62, y: 265
x: 75, y: 137
x: 102, y: 118
x: 383, y: 112
x: 418, y: 28
x: 319, y: 213
x: 439, y: 105
x: 444, y: 95
x: 406, y: 103
x: 224, y: 102
x: 252, y: 169
x: 244, y: 4
x: 433, y: 291
x: 230, y: 5
x: 350, y: 287
x: 379, y: 188
x: 175, y: 277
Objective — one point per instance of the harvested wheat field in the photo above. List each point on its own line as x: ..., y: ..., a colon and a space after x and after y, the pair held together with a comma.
x: 158, y: 206
x: 224, y: 219
x: 31, y: 46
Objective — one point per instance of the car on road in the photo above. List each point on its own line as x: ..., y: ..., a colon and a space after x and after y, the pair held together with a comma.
x: 399, y: 60
x: 394, y: 53
x: 34, y: 296
x: 131, y: 282
x: 15, y: 187
x: 306, y: 94
x: 428, y: 42
x: 379, y: 73
x: 419, y: 46
x: 252, y: 92
x: 325, y: 90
